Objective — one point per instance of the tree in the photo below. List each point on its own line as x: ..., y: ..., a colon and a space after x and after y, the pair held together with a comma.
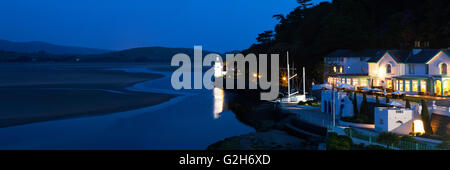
x: 378, y: 100
x: 355, y: 104
x: 364, y: 106
x: 388, y: 138
x: 265, y: 37
x: 304, y: 3
x: 408, y: 105
x: 426, y: 118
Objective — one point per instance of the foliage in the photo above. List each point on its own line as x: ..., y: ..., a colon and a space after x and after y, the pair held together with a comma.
x: 311, y: 32
x: 364, y: 106
x: 408, y: 105
x: 338, y: 142
x: 388, y: 138
x: 408, y: 138
x: 355, y: 104
x: 445, y: 145
x: 426, y: 118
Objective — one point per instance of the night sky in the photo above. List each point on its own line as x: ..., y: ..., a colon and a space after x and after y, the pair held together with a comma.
x: 218, y: 25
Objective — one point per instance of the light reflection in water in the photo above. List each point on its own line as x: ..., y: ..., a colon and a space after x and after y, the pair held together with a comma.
x: 218, y: 102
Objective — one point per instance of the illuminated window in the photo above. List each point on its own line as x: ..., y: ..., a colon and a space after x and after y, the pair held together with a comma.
x: 407, y: 85
x: 400, y: 86
x: 437, y: 87
x: 396, y: 85
x: 340, y: 70
x: 446, y: 88
x: 349, y: 81
x: 334, y: 69
x: 389, y: 84
x: 415, y: 85
x: 423, y: 86
x: 355, y: 82
x: 363, y: 82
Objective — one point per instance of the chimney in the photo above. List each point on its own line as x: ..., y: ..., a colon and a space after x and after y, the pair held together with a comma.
x: 417, y: 48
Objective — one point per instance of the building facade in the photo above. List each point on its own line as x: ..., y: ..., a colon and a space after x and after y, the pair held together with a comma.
x: 418, y: 71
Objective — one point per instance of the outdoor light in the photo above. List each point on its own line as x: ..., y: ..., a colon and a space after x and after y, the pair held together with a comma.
x: 418, y: 127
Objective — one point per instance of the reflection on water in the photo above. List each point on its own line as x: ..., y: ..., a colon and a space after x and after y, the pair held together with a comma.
x: 218, y: 102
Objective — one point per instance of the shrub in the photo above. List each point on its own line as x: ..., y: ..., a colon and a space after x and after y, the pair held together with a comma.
x: 408, y: 105
x: 364, y: 106
x: 445, y: 145
x: 338, y: 142
x: 408, y: 139
x: 355, y: 104
x: 388, y: 138
x: 426, y: 118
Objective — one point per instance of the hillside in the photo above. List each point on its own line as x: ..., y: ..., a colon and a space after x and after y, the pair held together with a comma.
x: 145, y: 54
x: 40, y: 47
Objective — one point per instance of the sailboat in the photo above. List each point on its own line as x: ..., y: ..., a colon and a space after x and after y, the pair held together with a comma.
x: 293, y: 98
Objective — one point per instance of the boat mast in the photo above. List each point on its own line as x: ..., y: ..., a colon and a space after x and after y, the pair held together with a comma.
x: 304, y: 91
x: 288, y: 78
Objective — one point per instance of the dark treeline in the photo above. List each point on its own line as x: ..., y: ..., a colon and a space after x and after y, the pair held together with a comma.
x: 311, y: 32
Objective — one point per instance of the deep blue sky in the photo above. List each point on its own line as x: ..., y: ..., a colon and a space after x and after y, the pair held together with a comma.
x: 218, y: 25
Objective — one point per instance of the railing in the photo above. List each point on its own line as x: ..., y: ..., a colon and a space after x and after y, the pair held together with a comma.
x: 402, y: 145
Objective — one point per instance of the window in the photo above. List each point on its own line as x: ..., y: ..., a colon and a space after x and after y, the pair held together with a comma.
x: 396, y: 85
x: 389, y: 84
x: 437, y: 87
x: 341, y: 70
x: 363, y: 69
x: 415, y: 85
x: 388, y: 69
x: 411, y: 68
x: 355, y: 82
x: 349, y: 81
x: 400, y: 85
x: 446, y: 88
x: 444, y: 69
x: 407, y: 85
x: 423, y: 86
x: 334, y: 69
x: 363, y: 82
x: 426, y: 69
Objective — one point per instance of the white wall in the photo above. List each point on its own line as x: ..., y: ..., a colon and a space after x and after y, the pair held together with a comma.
x: 441, y: 57
x: 387, y: 120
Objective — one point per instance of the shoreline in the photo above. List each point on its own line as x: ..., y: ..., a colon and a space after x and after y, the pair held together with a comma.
x: 54, y: 97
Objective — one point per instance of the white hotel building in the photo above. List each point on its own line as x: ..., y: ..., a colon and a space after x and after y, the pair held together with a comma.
x: 418, y: 71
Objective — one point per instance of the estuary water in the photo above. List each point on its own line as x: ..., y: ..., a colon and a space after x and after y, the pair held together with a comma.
x: 193, y: 120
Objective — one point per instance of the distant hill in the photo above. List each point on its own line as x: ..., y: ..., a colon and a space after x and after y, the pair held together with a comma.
x: 145, y: 54
x: 39, y: 47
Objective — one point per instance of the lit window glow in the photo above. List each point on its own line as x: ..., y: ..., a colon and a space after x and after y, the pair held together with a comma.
x: 418, y: 127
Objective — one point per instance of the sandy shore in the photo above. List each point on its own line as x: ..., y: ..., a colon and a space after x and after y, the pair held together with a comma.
x: 35, y: 93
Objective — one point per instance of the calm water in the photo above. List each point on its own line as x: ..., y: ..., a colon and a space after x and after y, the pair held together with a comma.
x: 194, y: 120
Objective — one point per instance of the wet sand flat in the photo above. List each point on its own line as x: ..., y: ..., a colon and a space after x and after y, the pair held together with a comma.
x: 41, y: 92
